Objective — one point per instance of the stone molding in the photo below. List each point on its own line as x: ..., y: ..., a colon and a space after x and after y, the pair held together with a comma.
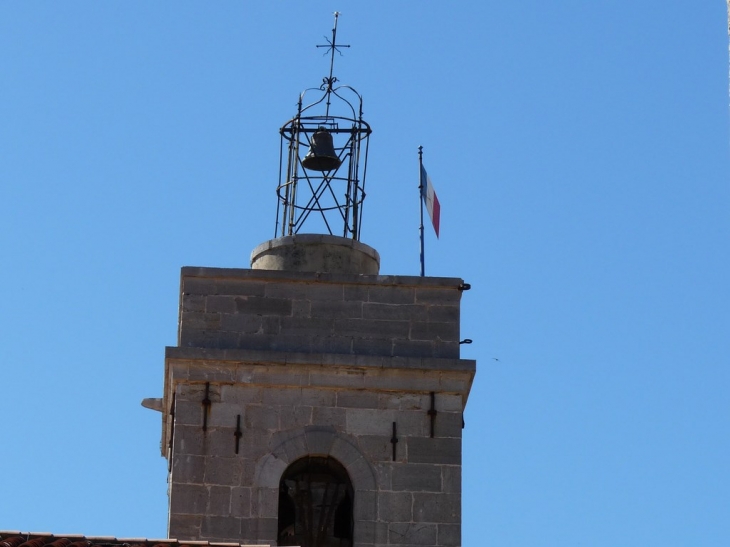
x: 329, y: 371
x: 219, y: 276
x: 314, y: 441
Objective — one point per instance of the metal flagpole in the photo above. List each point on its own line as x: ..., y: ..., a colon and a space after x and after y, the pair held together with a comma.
x: 420, y: 198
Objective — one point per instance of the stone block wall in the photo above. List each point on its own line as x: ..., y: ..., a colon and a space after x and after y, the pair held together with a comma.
x: 320, y: 313
x: 295, y: 377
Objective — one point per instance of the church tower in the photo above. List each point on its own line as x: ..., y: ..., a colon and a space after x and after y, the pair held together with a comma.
x: 310, y: 400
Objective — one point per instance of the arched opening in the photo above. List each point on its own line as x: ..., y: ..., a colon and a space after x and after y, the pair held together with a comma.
x: 315, y: 504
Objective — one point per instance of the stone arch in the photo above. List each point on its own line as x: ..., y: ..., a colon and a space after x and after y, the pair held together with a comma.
x: 287, y: 447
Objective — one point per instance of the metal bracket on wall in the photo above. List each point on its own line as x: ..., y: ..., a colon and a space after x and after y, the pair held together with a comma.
x: 433, y: 412
x: 394, y: 439
x: 206, y: 406
x: 238, y: 433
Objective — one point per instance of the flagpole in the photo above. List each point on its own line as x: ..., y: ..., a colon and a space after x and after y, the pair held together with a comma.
x: 420, y: 199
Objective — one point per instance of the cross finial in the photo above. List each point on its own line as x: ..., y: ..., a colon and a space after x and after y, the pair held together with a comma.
x: 332, y: 46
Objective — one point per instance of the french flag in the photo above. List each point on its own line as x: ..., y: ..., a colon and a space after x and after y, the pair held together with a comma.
x: 431, y: 200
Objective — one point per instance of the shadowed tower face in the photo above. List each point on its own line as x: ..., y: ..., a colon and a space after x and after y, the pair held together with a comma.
x: 311, y: 401
x: 315, y: 408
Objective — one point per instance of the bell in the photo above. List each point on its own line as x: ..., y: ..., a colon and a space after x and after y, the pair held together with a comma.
x: 321, y: 155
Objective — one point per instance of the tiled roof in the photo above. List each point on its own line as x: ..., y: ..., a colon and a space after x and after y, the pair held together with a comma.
x: 42, y: 539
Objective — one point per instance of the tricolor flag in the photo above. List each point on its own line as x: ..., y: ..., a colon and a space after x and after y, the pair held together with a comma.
x: 431, y: 200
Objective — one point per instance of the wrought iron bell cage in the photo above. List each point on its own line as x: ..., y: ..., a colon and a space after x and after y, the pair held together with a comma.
x: 334, y: 196
x: 323, y: 176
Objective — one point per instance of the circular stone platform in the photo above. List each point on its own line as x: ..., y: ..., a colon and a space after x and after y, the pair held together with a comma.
x: 316, y: 253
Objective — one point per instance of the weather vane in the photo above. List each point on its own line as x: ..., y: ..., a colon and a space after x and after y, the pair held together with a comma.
x: 325, y: 185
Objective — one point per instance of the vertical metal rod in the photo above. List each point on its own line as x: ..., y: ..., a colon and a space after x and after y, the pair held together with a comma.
x: 172, y: 433
x: 364, y: 171
x: 433, y: 412
x: 332, y: 63
x: 352, y: 184
x: 293, y: 161
x: 238, y: 434
x: 206, y: 406
x: 394, y: 439
x: 420, y: 199
x: 278, y: 196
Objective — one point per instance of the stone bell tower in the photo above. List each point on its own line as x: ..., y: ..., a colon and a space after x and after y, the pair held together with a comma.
x: 311, y: 401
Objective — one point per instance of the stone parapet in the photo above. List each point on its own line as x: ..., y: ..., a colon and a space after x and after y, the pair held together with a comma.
x: 403, y: 316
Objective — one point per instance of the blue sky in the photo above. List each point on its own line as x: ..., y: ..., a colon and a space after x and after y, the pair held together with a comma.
x: 580, y: 151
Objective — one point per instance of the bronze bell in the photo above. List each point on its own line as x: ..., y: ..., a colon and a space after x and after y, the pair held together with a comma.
x: 321, y: 155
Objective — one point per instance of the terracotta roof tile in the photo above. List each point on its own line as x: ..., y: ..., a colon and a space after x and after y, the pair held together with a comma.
x: 37, y: 542
x: 12, y: 541
x: 14, y: 538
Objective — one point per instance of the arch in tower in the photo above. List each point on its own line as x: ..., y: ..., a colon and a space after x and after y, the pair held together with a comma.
x: 331, y: 457
x: 315, y: 504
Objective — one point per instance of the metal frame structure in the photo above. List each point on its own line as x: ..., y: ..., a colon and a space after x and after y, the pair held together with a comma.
x: 336, y: 196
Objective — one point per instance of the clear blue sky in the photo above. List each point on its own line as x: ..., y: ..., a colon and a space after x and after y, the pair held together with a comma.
x: 580, y: 151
